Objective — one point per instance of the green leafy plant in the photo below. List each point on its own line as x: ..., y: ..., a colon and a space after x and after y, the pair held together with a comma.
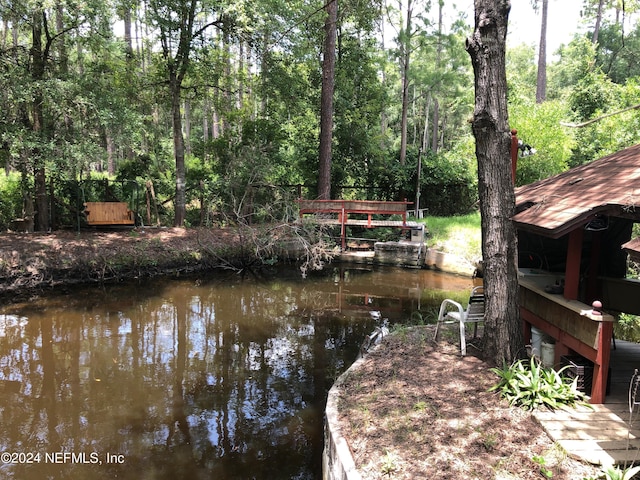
x: 611, y: 472
x: 530, y: 385
x: 544, y: 471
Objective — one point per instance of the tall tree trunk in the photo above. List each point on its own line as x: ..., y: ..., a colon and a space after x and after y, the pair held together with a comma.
x: 383, y: 113
x: 140, y: 45
x: 62, y: 47
x: 240, y: 75
x: 502, y: 338
x: 414, y: 116
x: 436, y: 121
x: 425, y: 133
x: 5, y: 31
x: 406, y: 57
x: 111, y: 163
x: 126, y: 17
x: 541, y: 82
x: 596, y: 28
x: 187, y: 127
x: 178, y: 150
x: 216, y: 127
x: 226, y: 92
x: 176, y: 39
x: 436, y: 105
x: 206, y: 111
x: 39, y: 56
x: 264, y: 64
x: 326, y: 101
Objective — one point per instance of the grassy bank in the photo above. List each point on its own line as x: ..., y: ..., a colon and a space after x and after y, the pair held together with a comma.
x: 459, y: 235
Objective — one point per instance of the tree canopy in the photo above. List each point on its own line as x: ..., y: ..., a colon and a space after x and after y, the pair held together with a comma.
x: 197, y: 103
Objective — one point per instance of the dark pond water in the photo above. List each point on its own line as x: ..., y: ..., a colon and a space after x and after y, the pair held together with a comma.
x: 216, y: 377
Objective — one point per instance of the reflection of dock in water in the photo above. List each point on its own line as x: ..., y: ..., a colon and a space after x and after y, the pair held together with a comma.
x: 393, y: 293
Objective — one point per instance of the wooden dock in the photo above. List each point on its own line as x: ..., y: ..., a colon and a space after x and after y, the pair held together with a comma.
x: 608, y: 433
x: 336, y: 212
x: 369, y: 223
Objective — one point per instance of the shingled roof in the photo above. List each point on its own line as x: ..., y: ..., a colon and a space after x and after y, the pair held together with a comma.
x: 557, y: 205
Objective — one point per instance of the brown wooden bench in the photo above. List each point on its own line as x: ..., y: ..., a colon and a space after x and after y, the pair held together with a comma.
x: 108, y: 213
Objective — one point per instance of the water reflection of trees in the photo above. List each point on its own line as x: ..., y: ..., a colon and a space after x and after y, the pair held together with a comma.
x: 223, y: 382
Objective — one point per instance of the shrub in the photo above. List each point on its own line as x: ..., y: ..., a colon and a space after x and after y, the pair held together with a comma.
x: 530, y: 385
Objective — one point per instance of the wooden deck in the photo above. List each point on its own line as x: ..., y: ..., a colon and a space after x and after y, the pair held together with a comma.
x: 602, y: 435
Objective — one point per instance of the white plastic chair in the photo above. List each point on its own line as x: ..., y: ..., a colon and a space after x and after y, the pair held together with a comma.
x: 452, y: 312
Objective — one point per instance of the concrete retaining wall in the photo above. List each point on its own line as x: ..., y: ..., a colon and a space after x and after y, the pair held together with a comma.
x: 337, y: 461
x: 447, y: 262
x: 405, y: 254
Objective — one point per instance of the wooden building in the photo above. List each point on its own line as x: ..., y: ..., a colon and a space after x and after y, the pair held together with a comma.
x: 574, y: 236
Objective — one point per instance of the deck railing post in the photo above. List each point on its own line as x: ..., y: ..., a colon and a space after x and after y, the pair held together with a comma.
x: 343, y: 230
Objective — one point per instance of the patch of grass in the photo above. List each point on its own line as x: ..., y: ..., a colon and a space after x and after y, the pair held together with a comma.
x: 460, y: 235
x: 389, y: 464
x: 489, y: 441
x: 420, y: 406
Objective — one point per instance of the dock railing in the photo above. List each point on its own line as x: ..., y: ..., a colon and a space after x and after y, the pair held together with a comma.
x: 343, y: 208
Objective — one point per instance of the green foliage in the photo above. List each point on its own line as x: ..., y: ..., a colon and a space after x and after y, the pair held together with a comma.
x: 627, y: 327
x: 449, y: 182
x: 389, y: 464
x: 359, y: 99
x: 106, y: 108
x: 616, y: 51
x: 134, y: 168
x: 611, y: 472
x: 576, y: 61
x: 521, y: 74
x: 612, y: 133
x: 538, y: 125
x: 392, y: 177
x: 542, y: 462
x: 580, y: 81
x: 10, y: 199
x: 530, y: 385
x: 592, y: 93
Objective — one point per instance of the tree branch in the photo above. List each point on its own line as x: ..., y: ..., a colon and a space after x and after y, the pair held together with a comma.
x: 597, y: 119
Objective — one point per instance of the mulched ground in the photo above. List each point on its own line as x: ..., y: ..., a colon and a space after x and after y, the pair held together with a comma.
x: 416, y: 409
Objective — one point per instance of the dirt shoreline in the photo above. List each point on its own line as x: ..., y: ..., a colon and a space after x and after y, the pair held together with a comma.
x: 36, y: 263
